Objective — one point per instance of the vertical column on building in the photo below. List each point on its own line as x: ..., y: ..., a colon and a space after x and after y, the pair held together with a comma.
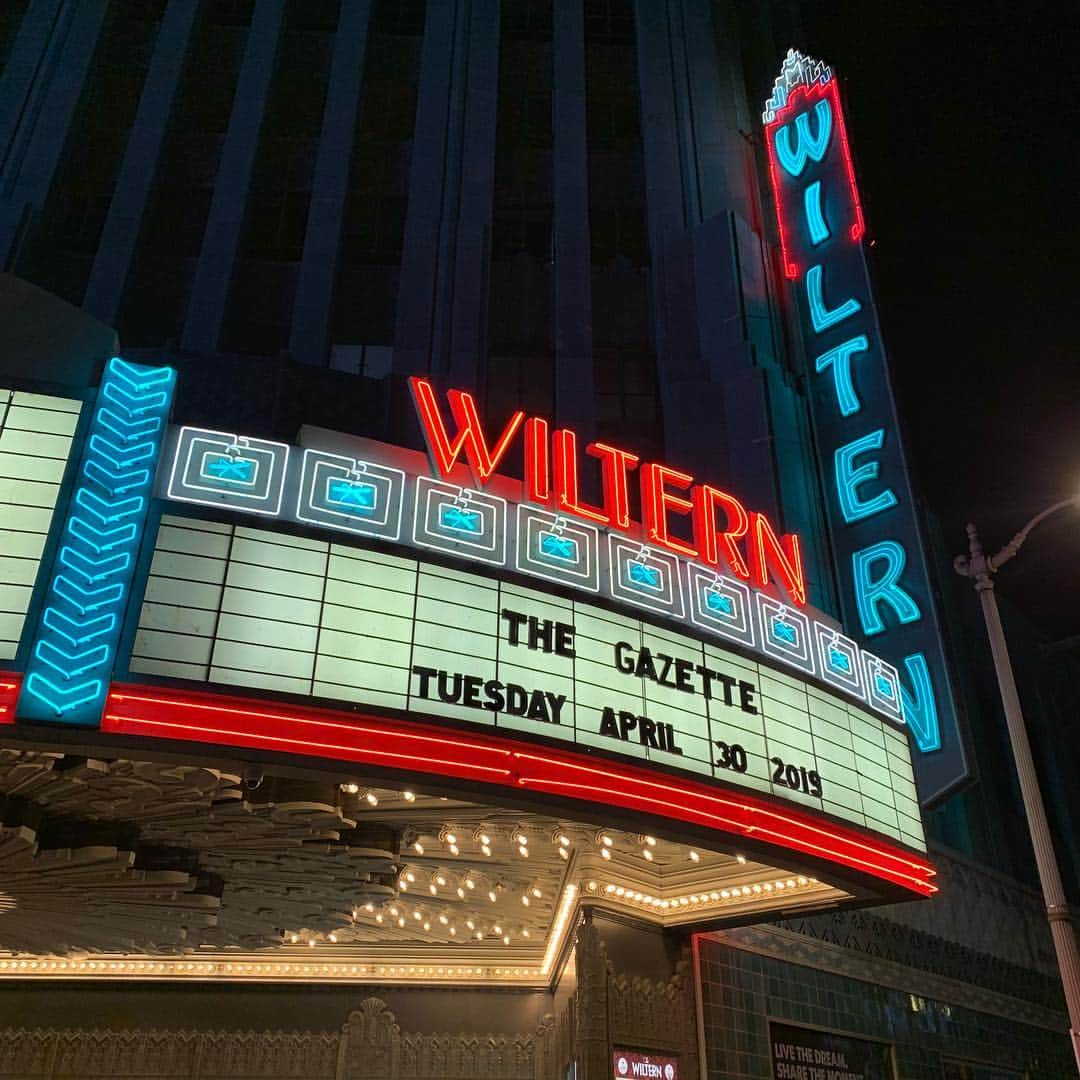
x: 50, y: 63
x: 442, y: 290
x: 213, y: 274
x: 469, y: 252
x: 120, y: 235
x: 309, y: 338
x: 24, y: 73
x: 421, y: 249
x: 592, y: 1037
x: 693, y: 406
x: 767, y: 415
x: 574, y: 384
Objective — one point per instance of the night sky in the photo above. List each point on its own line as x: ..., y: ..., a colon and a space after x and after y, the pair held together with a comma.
x: 965, y: 128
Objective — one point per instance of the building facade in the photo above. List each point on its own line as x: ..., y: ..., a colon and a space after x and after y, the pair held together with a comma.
x: 464, y: 611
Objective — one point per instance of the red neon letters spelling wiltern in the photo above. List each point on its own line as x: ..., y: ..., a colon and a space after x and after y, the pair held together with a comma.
x: 723, y: 532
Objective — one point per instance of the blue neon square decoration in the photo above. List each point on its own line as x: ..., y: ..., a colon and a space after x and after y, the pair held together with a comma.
x: 229, y: 469
x: 563, y: 548
x: 351, y: 496
x: 785, y: 632
x: 839, y: 660
x: 460, y: 518
x: 643, y: 576
x: 718, y: 602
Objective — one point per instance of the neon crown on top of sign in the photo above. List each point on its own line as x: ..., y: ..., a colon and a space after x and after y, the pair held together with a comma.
x: 797, y: 70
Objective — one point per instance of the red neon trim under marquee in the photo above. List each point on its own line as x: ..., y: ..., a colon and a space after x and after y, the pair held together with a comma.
x: 9, y: 694
x: 234, y: 721
x: 802, y: 97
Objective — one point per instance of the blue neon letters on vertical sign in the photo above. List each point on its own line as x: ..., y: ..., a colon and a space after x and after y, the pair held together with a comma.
x: 885, y: 588
x: 74, y: 647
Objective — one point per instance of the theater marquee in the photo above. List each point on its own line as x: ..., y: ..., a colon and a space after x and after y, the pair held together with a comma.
x: 428, y: 617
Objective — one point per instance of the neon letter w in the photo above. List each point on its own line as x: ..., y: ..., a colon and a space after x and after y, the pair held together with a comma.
x: 793, y: 159
x: 445, y: 451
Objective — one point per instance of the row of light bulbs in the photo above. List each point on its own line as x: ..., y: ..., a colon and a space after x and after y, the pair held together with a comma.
x: 519, y: 837
x: 715, y: 896
x: 398, y: 915
x: 61, y: 967
x: 466, y: 885
x: 604, y: 840
x: 484, y: 840
x: 370, y: 797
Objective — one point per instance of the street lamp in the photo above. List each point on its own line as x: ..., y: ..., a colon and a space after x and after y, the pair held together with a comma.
x: 980, y: 567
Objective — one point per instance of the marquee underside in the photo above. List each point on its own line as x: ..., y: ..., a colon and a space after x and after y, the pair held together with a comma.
x: 135, y: 868
x: 130, y: 857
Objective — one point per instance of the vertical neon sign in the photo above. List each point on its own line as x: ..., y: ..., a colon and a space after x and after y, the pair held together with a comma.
x: 74, y: 650
x: 884, y: 584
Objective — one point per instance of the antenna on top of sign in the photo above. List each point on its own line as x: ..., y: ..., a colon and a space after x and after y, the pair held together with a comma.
x: 797, y: 70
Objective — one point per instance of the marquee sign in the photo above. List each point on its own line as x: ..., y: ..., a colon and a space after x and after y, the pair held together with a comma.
x: 259, y: 608
x: 347, y: 484
x: 332, y: 571
x: 884, y: 582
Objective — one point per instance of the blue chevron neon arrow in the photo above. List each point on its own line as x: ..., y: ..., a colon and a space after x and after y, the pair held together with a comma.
x: 78, y: 631
x: 62, y: 699
x: 100, y: 539
x: 93, y: 568
x: 74, y: 649
x: 135, y: 405
x: 139, y: 378
x: 109, y: 512
x: 122, y: 457
x: 127, y: 430
x: 116, y: 483
x: 70, y: 665
x: 85, y: 601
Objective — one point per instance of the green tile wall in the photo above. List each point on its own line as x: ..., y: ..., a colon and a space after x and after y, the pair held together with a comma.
x: 741, y: 990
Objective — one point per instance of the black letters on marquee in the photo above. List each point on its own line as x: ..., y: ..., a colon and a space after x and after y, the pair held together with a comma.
x: 677, y: 673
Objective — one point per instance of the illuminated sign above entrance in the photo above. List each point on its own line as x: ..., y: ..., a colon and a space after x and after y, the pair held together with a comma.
x: 348, y: 484
x: 884, y: 581
x: 259, y: 608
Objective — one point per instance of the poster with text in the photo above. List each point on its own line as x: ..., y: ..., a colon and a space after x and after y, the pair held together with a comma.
x: 633, y: 1063
x: 804, y: 1054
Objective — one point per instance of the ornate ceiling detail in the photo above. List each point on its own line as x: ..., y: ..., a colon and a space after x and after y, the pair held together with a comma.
x: 146, y: 869
x: 70, y: 899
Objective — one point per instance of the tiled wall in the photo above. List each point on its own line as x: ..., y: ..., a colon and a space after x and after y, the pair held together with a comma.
x: 741, y: 990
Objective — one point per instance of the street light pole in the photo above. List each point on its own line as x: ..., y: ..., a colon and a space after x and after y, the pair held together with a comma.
x: 980, y: 567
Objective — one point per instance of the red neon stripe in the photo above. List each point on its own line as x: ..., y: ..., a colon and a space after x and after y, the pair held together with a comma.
x: 202, y: 717
x: 304, y: 730
x: 9, y: 694
x: 633, y: 800
x: 690, y: 790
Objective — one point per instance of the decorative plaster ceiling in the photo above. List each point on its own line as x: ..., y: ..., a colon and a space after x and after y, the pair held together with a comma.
x: 142, y: 869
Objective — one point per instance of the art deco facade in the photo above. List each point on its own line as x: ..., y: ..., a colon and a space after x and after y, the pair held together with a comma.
x: 528, y: 758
